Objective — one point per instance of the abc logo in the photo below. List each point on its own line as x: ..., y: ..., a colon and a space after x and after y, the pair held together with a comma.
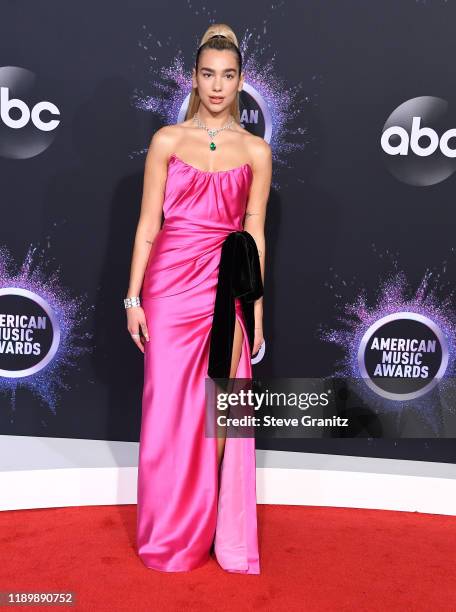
x: 419, y: 142
x: 28, y: 121
x: 6, y: 105
x: 417, y: 132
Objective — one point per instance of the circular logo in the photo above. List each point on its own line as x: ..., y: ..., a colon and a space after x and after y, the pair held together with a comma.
x: 419, y: 141
x: 27, y: 122
x: 403, y: 355
x: 29, y: 332
x: 254, y: 112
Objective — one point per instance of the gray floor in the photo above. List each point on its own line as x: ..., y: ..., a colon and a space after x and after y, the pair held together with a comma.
x: 24, y: 453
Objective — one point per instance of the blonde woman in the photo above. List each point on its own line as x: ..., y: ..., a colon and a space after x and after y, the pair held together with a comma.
x: 211, y: 180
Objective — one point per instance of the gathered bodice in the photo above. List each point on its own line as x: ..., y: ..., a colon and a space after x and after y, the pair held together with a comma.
x: 212, y: 199
x: 200, y: 208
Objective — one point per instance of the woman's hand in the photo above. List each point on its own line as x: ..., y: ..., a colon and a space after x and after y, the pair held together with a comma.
x: 258, y: 339
x: 136, y: 323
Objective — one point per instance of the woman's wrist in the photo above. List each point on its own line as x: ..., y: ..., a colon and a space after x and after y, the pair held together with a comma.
x: 132, y: 302
x: 132, y: 299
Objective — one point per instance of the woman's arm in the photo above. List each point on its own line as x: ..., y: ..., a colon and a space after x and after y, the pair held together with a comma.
x: 149, y: 224
x: 255, y: 218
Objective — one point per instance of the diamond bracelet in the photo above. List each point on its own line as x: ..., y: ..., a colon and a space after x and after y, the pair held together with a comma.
x: 129, y: 302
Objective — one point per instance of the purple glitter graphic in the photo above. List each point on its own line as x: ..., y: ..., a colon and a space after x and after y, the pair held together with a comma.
x: 47, y: 383
x: 171, y: 84
x: 433, y: 298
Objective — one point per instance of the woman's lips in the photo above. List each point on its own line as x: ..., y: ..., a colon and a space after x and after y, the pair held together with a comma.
x: 215, y: 100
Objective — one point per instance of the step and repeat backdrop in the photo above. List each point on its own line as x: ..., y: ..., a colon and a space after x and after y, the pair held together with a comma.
x: 357, y: 101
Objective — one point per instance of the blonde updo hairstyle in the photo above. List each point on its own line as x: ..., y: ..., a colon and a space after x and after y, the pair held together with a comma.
x: 217, y: 36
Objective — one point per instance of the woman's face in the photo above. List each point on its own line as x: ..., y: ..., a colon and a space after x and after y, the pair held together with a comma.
x: 217, y: 79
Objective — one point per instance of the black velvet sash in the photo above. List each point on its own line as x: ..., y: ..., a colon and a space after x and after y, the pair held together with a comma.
x: 239, y: 276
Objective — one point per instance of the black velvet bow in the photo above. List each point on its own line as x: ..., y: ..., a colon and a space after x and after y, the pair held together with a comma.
x: 239, y: 276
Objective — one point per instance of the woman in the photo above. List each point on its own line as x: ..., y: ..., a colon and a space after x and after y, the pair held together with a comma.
x: 195, y: 491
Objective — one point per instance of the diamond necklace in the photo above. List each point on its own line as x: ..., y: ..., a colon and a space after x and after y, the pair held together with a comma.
x: 212, y: 131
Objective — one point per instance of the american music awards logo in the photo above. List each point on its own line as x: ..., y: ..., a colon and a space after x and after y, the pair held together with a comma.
x: 39, y: 328
x: 403, y: 355
x: 399, y: 343
x: 29, y: 332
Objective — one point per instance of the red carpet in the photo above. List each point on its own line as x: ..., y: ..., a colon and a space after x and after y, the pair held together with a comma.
x: 313, y: 559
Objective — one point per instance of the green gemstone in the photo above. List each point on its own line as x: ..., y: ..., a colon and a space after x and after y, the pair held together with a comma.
x: 212, y: 146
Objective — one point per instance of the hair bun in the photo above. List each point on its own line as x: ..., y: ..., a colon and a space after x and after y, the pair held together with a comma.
x: 221, y: 31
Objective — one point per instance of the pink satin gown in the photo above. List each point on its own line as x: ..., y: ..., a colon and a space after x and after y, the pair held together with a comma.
x: 182, y: 507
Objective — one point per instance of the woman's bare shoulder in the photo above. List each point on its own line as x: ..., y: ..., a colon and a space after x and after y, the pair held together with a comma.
x: 167, y: 134
x: 259, y: 150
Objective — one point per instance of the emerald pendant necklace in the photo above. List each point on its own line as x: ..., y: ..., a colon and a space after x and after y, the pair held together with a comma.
x: 212, y: 131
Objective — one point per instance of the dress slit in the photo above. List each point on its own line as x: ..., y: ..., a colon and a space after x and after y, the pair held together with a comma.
x: 235, y: 543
